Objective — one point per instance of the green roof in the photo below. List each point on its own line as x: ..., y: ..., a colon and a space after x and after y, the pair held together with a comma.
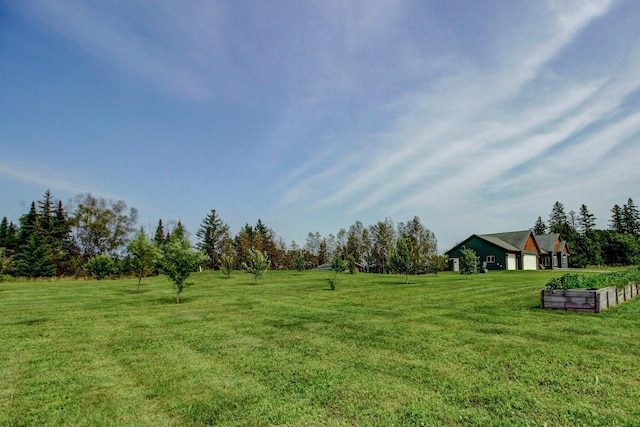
x: 498, y: 242
x: 515, y: 240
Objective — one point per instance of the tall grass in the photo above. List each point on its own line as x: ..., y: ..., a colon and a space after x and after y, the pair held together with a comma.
x: 445, y: 350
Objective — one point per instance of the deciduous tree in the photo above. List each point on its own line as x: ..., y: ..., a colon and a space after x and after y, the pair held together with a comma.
x: 101, y: 266
x: 256, y: 264
x: 382, y: 242
x: 401, y: 259
x: 338, y: 265
x: 178, y: 261
x: 102, y: 226
x: 227, y: 261
x: 144, y: 255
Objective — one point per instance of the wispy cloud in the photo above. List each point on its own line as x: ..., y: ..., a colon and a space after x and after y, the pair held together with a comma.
x: 178, y: 49
x: 42, y: 176
x: 470, y: 132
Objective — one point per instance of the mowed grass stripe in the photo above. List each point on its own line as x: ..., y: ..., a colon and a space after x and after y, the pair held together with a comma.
x: 445, y: 350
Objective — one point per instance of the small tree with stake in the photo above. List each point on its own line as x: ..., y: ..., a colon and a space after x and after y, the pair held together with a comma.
x: 144, y: 255
x: 227, y: 260
x: 400, y: 258
x: 338, y: 266
x: 178, y: 261
x: 257, y: 263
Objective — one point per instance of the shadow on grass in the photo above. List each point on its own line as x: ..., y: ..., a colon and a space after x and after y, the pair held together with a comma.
x: 133, y: 291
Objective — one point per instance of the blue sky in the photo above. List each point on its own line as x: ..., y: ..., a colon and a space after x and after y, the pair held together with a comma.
x: 475, y: 116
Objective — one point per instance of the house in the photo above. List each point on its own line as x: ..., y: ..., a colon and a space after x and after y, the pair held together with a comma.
x: 517, y: 250
x: 555, y: 252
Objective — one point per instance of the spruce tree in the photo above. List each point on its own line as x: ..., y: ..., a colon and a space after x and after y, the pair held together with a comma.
x: 46, y: 215
x: 540, y: 227
x: 28, y: 224
x: 586, y: 220
x: 616, y: 223
x: 34, y: 258
x: 214, y: 238
x: 159, y: 237
x: 631, y: 218
x: 558, y: 221
x: 179, y: 232
x: 4, y: 232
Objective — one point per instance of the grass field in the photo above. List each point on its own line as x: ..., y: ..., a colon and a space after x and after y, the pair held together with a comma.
x: 444, y: 350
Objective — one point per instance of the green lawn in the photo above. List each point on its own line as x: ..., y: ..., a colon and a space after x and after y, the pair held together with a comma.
x: 446, y: 350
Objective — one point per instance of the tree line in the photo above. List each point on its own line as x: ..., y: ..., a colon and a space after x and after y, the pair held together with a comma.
x: 618, y: 245
x: 93, y: 236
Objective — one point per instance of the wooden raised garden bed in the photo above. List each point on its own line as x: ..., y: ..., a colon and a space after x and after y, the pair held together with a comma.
x: 586, y: 300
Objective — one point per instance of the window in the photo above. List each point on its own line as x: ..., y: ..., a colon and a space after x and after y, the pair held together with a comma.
x: 491, y: 259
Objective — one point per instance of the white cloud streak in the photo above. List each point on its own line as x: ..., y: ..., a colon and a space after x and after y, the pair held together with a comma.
x: 476, y: 129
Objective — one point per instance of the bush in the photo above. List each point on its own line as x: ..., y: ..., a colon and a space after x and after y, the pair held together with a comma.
x: 101, y: 266
x: 619, y: 279
x: 6, y: 278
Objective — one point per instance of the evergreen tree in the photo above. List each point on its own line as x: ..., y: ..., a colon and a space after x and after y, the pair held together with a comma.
x: 4, y: 232
x: 34, y: 258
x: 540, y: 227
x: 586, y: 220
x: 558, y: 221
x: 265, y: 240
x: 616, y: 223
x: 68, y: 258
x: 60, y: 227
x: 214, y: 238
x: 323, y: 252
x: 159, y: 238
x: 179, y: 232
x: 29, y: 224
x: 631, y: 218
x: 354, y: 242
x: 244, y: 241
x: 46, y: 215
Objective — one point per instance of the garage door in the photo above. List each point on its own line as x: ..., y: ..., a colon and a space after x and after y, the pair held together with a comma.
x: 511, y: 262
x: 529, y: 262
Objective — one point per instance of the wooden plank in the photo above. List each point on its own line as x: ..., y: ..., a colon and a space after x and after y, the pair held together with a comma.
x: 585, y: 300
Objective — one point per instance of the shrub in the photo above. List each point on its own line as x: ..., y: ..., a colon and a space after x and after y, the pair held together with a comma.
x: 101, y: 266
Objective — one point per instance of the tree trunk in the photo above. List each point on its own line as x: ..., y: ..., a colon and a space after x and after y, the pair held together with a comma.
x: 178, y: 296
x: 139, y: 280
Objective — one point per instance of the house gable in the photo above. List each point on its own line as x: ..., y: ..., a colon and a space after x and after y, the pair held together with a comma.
x: 531, y: 245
